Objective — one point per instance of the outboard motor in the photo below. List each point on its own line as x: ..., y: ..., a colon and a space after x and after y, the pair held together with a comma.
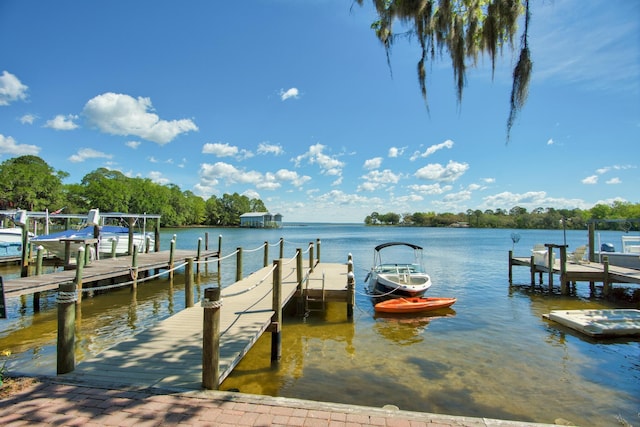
x: 607, y: 247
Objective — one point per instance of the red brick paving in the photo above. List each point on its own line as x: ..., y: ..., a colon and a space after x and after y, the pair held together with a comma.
x: 53, y: 403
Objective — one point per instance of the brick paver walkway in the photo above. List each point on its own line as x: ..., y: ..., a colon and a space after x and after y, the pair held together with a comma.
x: 57, y: 404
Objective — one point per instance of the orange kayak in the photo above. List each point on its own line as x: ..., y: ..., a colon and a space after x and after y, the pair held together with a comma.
x: 413, y: 304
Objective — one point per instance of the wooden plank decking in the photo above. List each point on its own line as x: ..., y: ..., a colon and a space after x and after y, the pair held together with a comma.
x: 96, y: 271
x: 169, y: 355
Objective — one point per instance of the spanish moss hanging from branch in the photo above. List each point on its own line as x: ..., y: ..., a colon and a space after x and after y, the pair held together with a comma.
x: 465, y: 29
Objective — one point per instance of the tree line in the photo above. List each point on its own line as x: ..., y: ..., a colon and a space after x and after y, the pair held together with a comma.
x: 519, y: 217
x: 28, y: 182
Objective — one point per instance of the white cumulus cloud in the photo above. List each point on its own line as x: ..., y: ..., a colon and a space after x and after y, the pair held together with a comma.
x: 437, y: 172
x: 88, y: 153
x: 289, y: 93
x: 120, y: 114
x: 8, y: 145
x: 11, y: 89
x: 61, y: 122
x: 374, y: 163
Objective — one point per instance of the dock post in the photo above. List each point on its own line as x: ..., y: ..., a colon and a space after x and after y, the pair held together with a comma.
x: 114, y: 246
x: 564, y: 284
x: 533, y: 271
x: 79, y: 268
x: 299, y: 279
x: 238, y: 264
x: 281, y: 247
x: 134, y: 268
x: 199, y: 255
x: 206, y: 240
x: 550, y: 265
x: 211, y: 339
x: 147, y: 244
x: 172, y: 248
x: 310, y: 257
x: 87, y: 254
x: 36, y: 295
x: 265, y: 261
x: 188, y: 283
x: 276, y: 319
x: 219, y: 253
x: 351, y: 296
x: 66, y: 359
x: 510, y: 267
x: 606, y: 288
x: 24, y: 271
x: 318, y: 250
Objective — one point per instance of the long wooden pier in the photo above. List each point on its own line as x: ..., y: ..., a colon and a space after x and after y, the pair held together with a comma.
x: 170, y: 354
x: 101, y: 271
x: 572, y: 272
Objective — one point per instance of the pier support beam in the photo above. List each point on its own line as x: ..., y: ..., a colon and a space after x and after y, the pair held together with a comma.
x: 211, y: 339
x: 79, y: 269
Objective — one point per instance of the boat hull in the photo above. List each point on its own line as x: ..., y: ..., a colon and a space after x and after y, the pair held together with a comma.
x: 413, y: 304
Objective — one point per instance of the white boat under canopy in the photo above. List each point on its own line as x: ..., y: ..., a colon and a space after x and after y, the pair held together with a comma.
x: 399, y: 277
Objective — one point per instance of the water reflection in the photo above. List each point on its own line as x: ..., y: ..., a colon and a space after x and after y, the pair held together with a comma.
x: 407, y: 329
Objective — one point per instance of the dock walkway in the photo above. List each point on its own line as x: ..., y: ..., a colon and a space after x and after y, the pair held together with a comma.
x: 169, y: 355
x: 578, y: 272
x: 99, y: 271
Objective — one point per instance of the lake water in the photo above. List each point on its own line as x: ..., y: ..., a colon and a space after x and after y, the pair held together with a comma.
x: 491, y: 355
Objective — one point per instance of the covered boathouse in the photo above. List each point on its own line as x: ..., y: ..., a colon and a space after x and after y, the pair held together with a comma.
x: 260, y: 220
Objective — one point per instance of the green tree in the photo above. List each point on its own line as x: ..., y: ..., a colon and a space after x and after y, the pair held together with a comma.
x: 465, y: 29
x: 107, y: 190
x: 28, y: 182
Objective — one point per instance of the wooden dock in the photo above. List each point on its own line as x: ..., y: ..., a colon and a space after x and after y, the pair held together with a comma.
x: 100, y: 271
x: 571, y: 272
x: 169, y: 355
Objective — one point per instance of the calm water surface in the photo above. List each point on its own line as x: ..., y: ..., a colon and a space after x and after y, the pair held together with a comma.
x: 490, y: 355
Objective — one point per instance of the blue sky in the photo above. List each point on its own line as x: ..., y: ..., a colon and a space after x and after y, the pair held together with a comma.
x: 293, y: 102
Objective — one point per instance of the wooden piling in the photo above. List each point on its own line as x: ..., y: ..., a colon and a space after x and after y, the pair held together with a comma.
x: 172, y: 248
x: 67, y: 297
x: 199, y: 253
x: 211, y: 339
x: 511, y: 267
x: 564, y: 283
x: 311, y: 257
x: 281, y: 247
x: 188, y: 283
x: 265, y: 260
x: 318, y: 250
x: 351, y: 295
x: 114, y: 247
x: 134, y: 268
x: 219, y: 253
x: 79, y: 268
x: 606, y: 284
x: 238, y: 264
x: 36, y: 295
x: 276, y: 319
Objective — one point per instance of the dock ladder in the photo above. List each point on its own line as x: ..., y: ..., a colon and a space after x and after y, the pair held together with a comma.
x: 315, y: 302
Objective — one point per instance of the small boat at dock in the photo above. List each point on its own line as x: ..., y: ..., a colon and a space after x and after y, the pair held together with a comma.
x: 413, y: 304
x: 399, y: 278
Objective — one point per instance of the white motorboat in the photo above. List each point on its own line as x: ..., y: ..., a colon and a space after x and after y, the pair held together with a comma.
x: 398, y: 278
x: 11, y: 241
x: 628, y: 257
x: 55, y: 243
